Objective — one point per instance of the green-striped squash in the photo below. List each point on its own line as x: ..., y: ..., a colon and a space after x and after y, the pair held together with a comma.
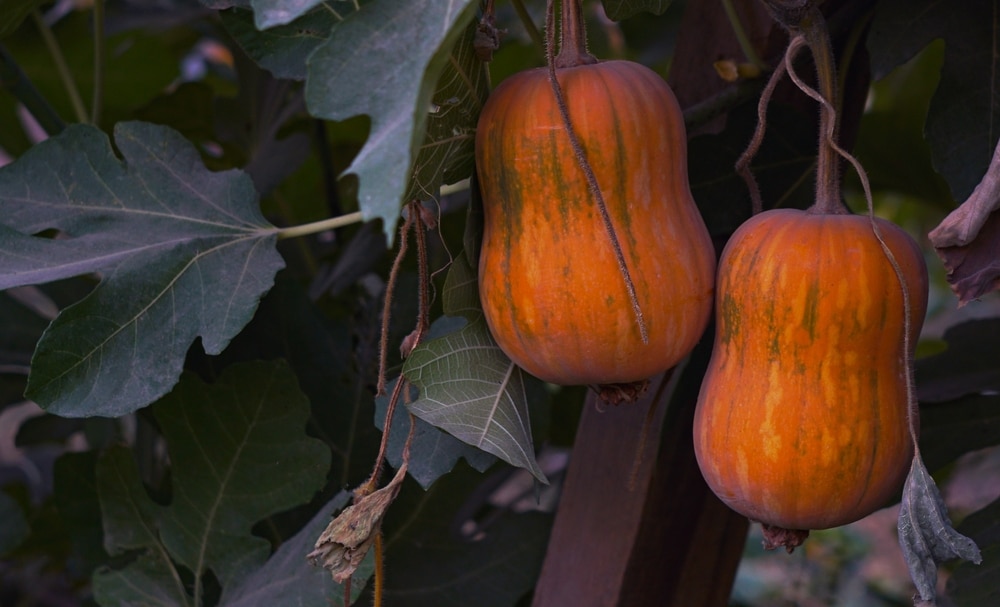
x: 552, y: 292
x: 801, y: 422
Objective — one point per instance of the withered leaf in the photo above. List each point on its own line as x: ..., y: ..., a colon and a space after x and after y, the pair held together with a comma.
x: 347, y: 539
x: 966, y: 240
x: 925, y: 532
x: 974, y: 269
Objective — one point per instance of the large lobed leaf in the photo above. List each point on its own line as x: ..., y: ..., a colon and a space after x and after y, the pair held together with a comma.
x: 446, y: 154
x: 184, y: 253
x: 384, y: 61
x: 963, y: 122
x: 282, y: 50
x: 239, y: 453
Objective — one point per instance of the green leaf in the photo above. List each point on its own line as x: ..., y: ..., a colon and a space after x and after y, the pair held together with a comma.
x: 925, y: 533
x: 184, y: 253
x: 433, y: 452
x: 129, y: 518
x: 271, y: 13
x: 439, y: 553
x: 139, y: 64
x: 976, y: 585
x: 448, y: 150
x: 469, y: 388
x: 623, y: 9
x: 890, y: 144
x: 13, y: 526
x: 78, y: 508
x: 784, y: 166
x: 461, y: 290
x: 238, y: 453
x: 288, y: 579
x: 954, y: 428
x: 289, y: 326
x: 13, y: 12
x: 20, y: 329
x: 281, y: 50
x: 384, y: 61
x: 967, y: 367
x: 963, y: 123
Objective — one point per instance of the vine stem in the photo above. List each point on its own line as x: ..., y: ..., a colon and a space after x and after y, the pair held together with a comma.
x: 99, y: 62
x: 829, y: 136
x: 61, y: 66
x: 573, y: 52
x: 814, y: 33
x: 743, y: 162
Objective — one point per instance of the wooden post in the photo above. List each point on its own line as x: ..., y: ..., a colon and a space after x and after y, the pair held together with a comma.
x: 666, y: 541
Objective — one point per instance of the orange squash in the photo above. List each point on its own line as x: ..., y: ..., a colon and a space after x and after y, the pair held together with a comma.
x: 801, y: 422
x: 552, y: 292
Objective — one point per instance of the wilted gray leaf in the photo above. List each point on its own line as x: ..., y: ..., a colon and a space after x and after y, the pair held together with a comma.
x: 925, y: 532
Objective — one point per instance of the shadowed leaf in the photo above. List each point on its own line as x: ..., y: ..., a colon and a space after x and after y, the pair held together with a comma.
x: 238, y: 454
x: 183, y: 253
x: 963, y: 122
x: 394, y: 88
x: 470, y: 388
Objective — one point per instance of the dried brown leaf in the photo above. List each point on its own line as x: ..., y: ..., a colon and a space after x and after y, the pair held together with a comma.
x: 347, y: 539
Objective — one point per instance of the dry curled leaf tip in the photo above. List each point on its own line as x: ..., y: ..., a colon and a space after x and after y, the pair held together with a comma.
x: 346, y: 540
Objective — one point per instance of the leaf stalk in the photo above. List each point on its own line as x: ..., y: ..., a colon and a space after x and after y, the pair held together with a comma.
x: 320, y: 226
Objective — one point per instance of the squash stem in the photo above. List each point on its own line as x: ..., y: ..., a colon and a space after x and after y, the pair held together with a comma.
x: 573, y: 7
x: 572, y: 36
x: 815, y: 34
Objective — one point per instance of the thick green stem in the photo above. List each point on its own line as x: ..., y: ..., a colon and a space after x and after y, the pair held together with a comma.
x: 572, y: 36
x: 320, y: 226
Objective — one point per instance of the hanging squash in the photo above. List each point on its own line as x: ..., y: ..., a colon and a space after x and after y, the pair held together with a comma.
x: 551, y: 285
x: 801, y: 422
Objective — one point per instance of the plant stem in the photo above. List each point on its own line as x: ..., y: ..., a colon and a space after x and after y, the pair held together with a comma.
x: 60, y: 60
x: 99, y: 62
x: 741, y: 36
x: 320, y: 226
x: 379, y: 574
x: 572, y: 12
x: 17, y: 82
x: 817, y: 37
x: 529, y: 24
x: 572, y: 36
